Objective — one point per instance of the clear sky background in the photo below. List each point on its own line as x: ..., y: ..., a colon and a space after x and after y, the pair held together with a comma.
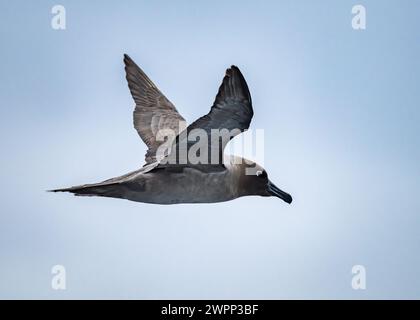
x: 340, y: 112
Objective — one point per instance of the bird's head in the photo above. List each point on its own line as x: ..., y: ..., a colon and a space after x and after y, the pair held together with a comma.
x: 256, y: 182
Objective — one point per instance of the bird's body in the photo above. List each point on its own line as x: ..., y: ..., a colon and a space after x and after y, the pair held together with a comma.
x: 167, y: 186
x: 165, y: 178
x: 172, y: 184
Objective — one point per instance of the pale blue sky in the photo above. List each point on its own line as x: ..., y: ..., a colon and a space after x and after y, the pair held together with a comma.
x: 340, y: 111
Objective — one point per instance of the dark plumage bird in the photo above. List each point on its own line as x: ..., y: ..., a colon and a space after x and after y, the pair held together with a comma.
x: 162, y: 181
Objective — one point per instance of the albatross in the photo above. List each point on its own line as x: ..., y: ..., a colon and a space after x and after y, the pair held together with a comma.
x: 169, y: 178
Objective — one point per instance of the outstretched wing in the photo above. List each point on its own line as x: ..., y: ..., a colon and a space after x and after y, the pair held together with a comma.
x: 230, y: 114
x: 153, y: 111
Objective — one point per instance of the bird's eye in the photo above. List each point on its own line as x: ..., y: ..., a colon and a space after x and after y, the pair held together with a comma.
x: 261, y: 173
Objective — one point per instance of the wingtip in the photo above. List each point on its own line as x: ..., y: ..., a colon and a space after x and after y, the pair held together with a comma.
x: 233, y: 70
x: 234, y: 79
x: 127, y: 59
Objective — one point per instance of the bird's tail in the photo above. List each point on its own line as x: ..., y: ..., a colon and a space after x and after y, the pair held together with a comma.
x: 96, y: 189
x: 114, y: 187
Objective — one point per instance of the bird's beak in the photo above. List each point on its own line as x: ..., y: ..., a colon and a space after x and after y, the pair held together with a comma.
x: 274, y: 191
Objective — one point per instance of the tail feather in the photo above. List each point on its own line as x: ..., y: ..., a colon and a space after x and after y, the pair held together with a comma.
x: 114, y: 187
x: 104, y: 190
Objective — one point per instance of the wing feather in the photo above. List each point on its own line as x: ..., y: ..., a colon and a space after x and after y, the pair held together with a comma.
x: 231, y: 111
x: 153, y: 111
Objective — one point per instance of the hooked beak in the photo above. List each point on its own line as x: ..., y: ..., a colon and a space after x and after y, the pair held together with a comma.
x: 274, y: 191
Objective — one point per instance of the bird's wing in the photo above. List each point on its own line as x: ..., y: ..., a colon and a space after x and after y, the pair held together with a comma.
x: 231, y: 110
x: 153, y: 111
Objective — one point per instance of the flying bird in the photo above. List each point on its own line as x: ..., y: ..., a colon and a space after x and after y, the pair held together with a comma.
x: 167, y: 177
